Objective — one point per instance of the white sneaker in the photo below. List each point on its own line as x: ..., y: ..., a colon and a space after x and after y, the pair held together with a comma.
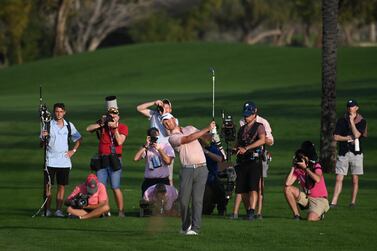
x: 59, y: 213
x: 48, y: 213
x: 191, y: 232
x: 185, y: 231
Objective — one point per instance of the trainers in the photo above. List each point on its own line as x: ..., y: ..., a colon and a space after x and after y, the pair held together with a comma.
x: 191, y: 232
x: 333, y: 206
x: 352, y: 205
x: 185, y: 231
x: 47, y: 214
x: 251, y: 217
x: 59, y: 213
x: 259, y: 217
x: 322, y: 216
x: 233, y: 217
x: 297, y: 217
x: 121, y: 214
x: 72, y: 216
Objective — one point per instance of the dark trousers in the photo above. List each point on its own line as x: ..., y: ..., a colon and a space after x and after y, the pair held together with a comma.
x: 214, y: 195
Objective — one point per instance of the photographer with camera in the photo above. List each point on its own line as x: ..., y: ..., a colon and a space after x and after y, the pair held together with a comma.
x: 161, y: 199
x: 313, y: 194
x: 157, y: 157
x: 250, y: 140
x: 112, y: 134
x: 88, y: 200
x: 162, y: 106
x: 265, y: 160
x: 193, y: 174
x: 350, y: 132
x: 214, y: 194
x: 58, y: 156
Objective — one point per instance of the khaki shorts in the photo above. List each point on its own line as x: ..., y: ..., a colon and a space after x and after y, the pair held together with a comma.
x: 350, y: 160
x: 316, y: 205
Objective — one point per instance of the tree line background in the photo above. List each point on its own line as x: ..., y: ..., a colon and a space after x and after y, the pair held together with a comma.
x: 35, y: 29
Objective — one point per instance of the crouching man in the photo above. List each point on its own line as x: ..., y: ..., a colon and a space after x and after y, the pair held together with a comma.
x: 308, y: 172
x: 88, y: 200
x: 161, y: 199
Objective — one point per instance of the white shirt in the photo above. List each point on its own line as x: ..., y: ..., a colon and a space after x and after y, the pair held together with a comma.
x: 58, y: 145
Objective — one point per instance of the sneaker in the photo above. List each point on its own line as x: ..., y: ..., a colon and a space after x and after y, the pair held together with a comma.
x: 185, y: 231
x: 59, y: 213
x: 233, y: 217
x: 191, y: 232
x: 352, y: 205
x: 333, y: 206
x: 297, y: 217
x: 251, y: 217
x: 121, y: 214
x: 259, y: 217
x: 72, y: 216
x: 47, y: 214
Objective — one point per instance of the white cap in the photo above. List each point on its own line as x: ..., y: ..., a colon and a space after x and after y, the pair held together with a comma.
x: 111, y: 102
x: 166, y: 116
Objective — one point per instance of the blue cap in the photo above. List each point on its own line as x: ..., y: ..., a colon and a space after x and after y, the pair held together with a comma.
x: 351, y: 103
x: 249, y: 108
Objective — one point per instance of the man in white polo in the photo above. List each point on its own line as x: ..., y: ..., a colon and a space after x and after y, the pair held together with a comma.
x: 193, y: 174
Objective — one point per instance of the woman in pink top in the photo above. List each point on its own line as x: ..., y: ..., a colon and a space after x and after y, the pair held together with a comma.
x: 313, y: 193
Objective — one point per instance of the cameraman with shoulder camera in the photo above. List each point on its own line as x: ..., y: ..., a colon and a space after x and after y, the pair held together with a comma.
x: 58, y: 155
x: 88, y: 200
x: 308, y: 172
x: 250, y: 140
x: 265, y: 160
x: 214, y: 194
x: 157, y: 157
x: 112, y: 134
x: 350, y: 132
x: 162, y: 106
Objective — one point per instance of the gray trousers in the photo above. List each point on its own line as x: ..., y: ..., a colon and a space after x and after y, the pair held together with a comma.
x: 192, y: 185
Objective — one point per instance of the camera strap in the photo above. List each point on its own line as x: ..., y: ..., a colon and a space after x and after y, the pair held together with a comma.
x: 69, y: 138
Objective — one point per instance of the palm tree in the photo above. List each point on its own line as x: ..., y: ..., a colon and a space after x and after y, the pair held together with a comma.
x: 328, y: 104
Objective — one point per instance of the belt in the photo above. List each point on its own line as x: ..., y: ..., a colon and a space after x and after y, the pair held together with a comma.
x: 195, y: 165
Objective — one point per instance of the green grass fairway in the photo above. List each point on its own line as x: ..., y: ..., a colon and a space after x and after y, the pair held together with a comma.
x: 284, y: 82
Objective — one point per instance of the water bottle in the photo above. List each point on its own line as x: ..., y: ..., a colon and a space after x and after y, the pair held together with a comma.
x: 357, y: 145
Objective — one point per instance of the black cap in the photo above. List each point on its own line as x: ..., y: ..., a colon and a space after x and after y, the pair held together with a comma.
x: 351, y: 103
x: 249, y: 108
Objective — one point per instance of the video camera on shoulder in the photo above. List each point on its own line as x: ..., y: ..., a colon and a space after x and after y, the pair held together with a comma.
x: 228, y: 129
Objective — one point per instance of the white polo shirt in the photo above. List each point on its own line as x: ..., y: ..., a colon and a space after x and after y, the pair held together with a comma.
x: 58, y: 145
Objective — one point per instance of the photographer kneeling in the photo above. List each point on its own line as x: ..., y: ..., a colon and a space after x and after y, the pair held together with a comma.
x: 160, y: 199
x: 308, y: 172
x: 88, y: 200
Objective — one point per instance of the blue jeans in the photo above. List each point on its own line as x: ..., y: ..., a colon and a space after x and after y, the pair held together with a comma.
x: 114, y: 176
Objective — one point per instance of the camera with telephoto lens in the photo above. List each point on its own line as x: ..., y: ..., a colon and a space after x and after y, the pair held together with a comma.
x: 106, y: 118
x: 228, y: 130
x: 79, y: 201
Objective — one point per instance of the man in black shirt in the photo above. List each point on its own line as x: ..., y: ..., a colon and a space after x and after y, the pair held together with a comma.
x: 349, y: 132
x: 251, y: 137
